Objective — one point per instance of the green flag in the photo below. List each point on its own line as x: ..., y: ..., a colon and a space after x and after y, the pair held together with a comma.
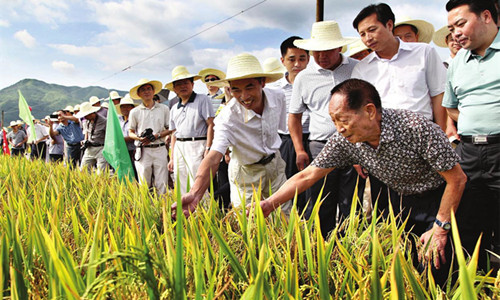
x: 115, y: 150
x: 25, y: 115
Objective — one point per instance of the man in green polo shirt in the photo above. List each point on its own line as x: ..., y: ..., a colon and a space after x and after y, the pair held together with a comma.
x: 472, y: 97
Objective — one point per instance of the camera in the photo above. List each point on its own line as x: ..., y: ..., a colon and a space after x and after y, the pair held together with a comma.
x: 148, y: 133
x: 85, y: 145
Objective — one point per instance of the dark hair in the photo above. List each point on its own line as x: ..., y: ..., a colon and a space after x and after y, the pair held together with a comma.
x: 190, y: 79
x: 475, y: 6
x: 358, y: 93
x: 412, y: 27
x: 288, y: 44
x: 383, y: 11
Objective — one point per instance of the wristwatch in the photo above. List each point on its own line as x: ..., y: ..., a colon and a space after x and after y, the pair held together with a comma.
x: 444, y: 225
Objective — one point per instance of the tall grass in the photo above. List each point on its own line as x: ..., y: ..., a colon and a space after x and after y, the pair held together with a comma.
x: 71, y: 235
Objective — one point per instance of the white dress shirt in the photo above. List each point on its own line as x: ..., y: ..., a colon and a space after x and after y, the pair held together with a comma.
x: 408, y: 80
x: 251, y: 136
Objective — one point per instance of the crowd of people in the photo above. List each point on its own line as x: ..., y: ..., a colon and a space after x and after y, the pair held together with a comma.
x: 422, y: 134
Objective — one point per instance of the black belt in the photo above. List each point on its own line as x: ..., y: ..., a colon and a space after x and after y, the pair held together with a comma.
x: 154, y: 145
x: 481, y: 139
x: 266, y: 159
x: 75, y: 144
x: 192, y: 139
x: 319, y: 141
x: 96, y: 145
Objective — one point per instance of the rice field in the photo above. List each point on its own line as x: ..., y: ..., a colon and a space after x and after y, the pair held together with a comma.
x: 71, y: 235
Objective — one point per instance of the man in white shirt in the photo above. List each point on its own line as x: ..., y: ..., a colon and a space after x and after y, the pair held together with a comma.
x: 39, y: 146
x: 250, y: 126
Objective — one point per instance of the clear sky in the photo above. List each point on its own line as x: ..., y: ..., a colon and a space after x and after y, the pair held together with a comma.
x: 84, y: 43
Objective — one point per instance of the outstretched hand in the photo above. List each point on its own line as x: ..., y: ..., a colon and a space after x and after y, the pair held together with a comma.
x: 436, y: 238
x: 189, y: 203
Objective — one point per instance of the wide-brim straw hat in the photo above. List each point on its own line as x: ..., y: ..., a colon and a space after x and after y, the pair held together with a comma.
x: 94, y: 99
x: 69, y: 108
x: 114, y: 95
x: 209, y: 71
x: 12, y: 124
x: 157, y: 86
x: 425, y: 29
x: 244, y: 66
x: 325, y: 36
x: 357, y: 47
x: 180, y: 73
x: 77, y: 107
x: 124, y: 101
x: 86, y: 109
x: 19, y: 122
x: 273, y: 65
x: 439, y: 37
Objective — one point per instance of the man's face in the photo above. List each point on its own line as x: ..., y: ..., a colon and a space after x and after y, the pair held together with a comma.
x: 125, y: 109
x: 248, y: 92
x: 183, y: 88
x: 354, y: 125
x: 211, y: 88
x: 327, y: 59
x: 406, y: 33
x: 374, y: 34
x: 90, y: 117
x: 452, y: 44
x: 146, y: 92
x: 467, y: 29
x: 295, y: 60
x: 116, y: 101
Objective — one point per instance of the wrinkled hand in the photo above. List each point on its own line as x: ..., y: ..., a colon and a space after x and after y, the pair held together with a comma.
x: 144, y: 141
x: 171, y: 165
x: 189, y: 203
x: 302, y: 160
x: 437, y: 238
x: 266, y: 206
x: 206, y: 153
x: 361, y: 171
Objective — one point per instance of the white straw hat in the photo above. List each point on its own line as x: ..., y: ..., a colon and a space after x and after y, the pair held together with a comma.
x: 124, y: 101
x: 244, y: 66
x: 157, y: 85
x: 273, y: 65
x: 439, y: 37
x: 105, y: 105
x: 357, y: 47
x: 325, y: 35
x: 86, y: 109
x: 69, y: 108
x: 77, y: 107
x: 208, y: 71
x: 93, y: 100
x: 179, y: 73
x: 12, y: 124
x: 19, y: 122
x: 114, y: 95
x: 425, y: 29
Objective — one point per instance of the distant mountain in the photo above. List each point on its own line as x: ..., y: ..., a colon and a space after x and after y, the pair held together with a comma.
x: 45, y: 98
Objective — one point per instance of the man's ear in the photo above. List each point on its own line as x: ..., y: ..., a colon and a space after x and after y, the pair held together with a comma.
x: 390, y: 25
x: 371, y: 110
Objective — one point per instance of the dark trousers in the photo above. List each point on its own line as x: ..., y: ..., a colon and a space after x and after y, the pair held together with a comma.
x: 479, y: 209
x: 73, y: 154
x: 38, y: 151
x: 17, y: 152
x: 338, y: 188
x: 56, y: 157
x: 131, y: 154
x: 287, y: 151
x: 222, y: 192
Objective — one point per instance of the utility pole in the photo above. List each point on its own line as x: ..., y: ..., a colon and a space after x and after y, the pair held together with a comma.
x: 2, y: 119
x: 320, y: 8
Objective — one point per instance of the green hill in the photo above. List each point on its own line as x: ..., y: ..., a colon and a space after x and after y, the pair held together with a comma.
x: 45, y: 98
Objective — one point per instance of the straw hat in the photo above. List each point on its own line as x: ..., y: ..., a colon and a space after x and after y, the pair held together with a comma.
x: 439, y: 37
x: 179, y: 73
x: 357, y: 47
x: 19, y: 122
x: 114, y: 95
x: 156, y: 86
x: 208, y: 71
x: 124, y: 101
x: 86, y: 109
x: 93, y: 100
x: 325, y: 35
x: 12, y: 124
x: 273, y: 65
x: 76, y: 108
x: 105, y: 104
x: 244, y: 66
x: 425, y: 29
x: 69, y: 108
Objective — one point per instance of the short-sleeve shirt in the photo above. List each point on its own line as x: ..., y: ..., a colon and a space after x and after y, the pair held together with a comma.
x: 251, y: 136
x: 58, y: 146
x: 155, y: 118
x: 125, y: 125
x: 311, y: 91
x: 411, y: 152
x: 96, y: 130
x: 473, y: 86
x: 72, y: 133
x: 17, y: 137
x: 215, y: 102
x: 408, y: 80
x: 190, y: 119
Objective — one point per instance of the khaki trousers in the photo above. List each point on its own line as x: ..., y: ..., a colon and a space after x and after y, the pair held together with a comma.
x: 153, y: 163
x: 187, y: 159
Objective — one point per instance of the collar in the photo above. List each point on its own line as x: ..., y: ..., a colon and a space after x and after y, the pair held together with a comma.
x: 216, y: 94
x: 283, y: 82
x: 142, y: 106
x: 191, y: 99
x: 402, y: 46
x: 495, y: 45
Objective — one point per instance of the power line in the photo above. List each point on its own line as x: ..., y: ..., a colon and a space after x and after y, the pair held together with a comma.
x: 182, y: 41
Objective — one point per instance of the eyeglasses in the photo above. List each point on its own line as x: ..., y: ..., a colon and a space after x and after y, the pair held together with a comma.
x: 211, y: 79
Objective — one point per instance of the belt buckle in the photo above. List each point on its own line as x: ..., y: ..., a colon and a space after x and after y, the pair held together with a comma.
x: 480, y: 139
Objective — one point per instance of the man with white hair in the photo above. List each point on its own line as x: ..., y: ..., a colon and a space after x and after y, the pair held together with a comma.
x: 250, y: 126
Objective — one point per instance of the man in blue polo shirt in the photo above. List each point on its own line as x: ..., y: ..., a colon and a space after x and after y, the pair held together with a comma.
x: 69, y: 129
x: 472, y: 98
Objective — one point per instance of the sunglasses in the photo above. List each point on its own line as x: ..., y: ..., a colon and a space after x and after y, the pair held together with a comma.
x: 211, y: 79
